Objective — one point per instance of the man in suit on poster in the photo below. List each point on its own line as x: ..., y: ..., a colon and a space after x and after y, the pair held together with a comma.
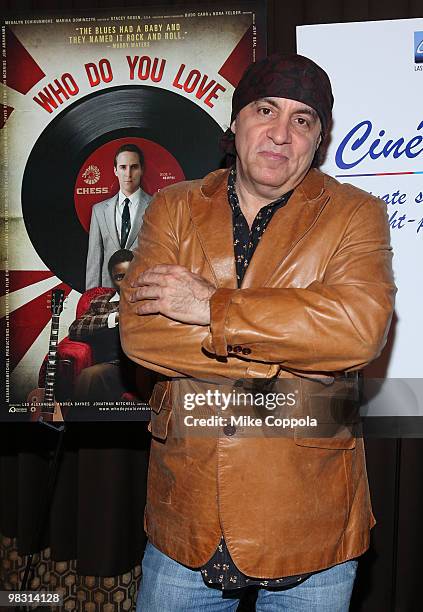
x: 270, y: 272
x: 115, y: 222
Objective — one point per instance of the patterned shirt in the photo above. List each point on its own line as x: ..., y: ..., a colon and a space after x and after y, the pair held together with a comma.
x: 220, y: 569
x: 246, y: 241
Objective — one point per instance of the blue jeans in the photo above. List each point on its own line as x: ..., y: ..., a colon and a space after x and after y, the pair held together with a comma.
x: 168, y: 586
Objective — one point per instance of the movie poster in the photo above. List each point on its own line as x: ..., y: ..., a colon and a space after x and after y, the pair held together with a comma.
x: 75, y: 88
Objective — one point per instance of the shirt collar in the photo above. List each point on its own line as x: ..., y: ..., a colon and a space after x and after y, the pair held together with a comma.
x: 133, y: 199
x: 115, y: 297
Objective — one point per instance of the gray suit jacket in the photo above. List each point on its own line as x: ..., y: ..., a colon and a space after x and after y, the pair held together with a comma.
x: 104, y: 239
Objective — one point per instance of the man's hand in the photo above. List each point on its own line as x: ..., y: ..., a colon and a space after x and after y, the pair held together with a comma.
x: 174, y: 292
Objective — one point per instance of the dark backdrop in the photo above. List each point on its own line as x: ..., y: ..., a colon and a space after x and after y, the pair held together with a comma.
x: 389, y: 573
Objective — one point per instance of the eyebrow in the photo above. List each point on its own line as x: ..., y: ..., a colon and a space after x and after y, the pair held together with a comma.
x: 299, y: 111
x: 307, y: 111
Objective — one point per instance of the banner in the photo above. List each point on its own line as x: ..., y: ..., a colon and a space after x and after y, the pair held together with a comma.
x: 75, y: 89
x: 377, y: 145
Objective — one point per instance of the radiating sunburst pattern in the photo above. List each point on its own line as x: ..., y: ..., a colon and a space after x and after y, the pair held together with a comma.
x: 28, y: 323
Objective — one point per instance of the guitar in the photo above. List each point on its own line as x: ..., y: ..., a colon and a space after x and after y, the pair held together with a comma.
x: 43, y: 405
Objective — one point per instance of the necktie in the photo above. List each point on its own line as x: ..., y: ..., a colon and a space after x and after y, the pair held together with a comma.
x: 126, y: 224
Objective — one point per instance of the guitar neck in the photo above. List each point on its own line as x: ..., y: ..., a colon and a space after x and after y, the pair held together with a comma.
x: 52, y: 361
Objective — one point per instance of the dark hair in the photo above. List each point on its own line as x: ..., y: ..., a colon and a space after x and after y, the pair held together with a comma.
x: 119, y: 257
x: 131, y: 148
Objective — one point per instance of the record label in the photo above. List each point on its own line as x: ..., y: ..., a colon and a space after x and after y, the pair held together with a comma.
x: 96, y: 180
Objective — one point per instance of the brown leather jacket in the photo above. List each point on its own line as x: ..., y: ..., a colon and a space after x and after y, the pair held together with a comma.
x: 317, y: 299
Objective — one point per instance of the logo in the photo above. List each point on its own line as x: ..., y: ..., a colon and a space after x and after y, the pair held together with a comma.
x: 360, y: 144
x: 91, y: 175
x: 418, y: 47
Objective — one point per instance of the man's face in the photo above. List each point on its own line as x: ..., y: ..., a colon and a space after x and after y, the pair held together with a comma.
x: 276, y: 139
x: 129, y: 172
x: 118, y: 273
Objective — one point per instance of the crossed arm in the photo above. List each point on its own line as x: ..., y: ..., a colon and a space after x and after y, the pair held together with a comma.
x: 177, y: 322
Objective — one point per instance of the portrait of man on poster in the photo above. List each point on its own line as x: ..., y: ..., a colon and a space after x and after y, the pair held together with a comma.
x: 115, y: 222
x: 112, y: 374
x: 270, y: 270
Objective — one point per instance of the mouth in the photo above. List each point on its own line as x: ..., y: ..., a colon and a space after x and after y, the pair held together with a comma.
x: 273, y: 156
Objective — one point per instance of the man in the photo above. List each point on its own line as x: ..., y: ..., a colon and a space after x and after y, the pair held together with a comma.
x: 115, y: 222
x: 113, y: 374
x: 270, y: 271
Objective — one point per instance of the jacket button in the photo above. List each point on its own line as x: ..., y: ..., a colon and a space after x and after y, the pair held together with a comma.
x: 229, y: 348
x: 229, y: 430
x: 237, y: 349
x: 246, y: 351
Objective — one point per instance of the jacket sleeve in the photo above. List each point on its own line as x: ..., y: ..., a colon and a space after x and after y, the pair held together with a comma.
x: 95, y: 255
x: 93, y: 321
x: 340, y: 323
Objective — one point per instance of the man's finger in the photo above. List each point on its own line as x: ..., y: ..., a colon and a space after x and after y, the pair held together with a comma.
x: 148, y: 278
x: 145, y: 292
x: 149, y: 307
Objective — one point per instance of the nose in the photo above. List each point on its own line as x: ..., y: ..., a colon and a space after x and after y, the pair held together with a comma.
x: 279, y: 130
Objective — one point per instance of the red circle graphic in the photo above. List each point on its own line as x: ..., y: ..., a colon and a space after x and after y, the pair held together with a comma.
x: 96, y: 180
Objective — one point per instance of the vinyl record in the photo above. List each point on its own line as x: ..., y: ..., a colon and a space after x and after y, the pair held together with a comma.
x: 163, y: 120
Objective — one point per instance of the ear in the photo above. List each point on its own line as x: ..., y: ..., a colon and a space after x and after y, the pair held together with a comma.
x: 233, y: 126
x: 115, y: 171
x: 319, y: 141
